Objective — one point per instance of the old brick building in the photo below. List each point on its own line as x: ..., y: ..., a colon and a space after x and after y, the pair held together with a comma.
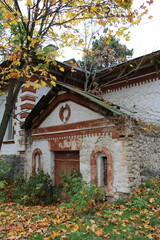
x: 103, y: 137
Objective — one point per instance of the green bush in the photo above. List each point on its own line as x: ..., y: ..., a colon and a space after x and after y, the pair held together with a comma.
x: 72, y: 183
x: 4, y: 169
x: 81, y: 195
x: 37, y: 190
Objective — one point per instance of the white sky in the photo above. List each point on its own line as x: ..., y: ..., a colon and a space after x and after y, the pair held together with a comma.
x: 144, y: 38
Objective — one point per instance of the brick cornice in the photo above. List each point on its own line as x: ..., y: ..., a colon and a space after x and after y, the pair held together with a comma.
x: 77, y: 125
x: 116, y: 85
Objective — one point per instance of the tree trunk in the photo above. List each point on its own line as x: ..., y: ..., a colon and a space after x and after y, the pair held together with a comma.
x: 13, y: 92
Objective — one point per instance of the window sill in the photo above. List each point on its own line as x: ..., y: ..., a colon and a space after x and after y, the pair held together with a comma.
x: 8, y: 141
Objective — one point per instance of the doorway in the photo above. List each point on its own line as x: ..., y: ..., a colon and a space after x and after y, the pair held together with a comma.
x: 65, y: 161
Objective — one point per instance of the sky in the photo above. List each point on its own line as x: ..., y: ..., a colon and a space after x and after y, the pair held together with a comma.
x: 144, y: 38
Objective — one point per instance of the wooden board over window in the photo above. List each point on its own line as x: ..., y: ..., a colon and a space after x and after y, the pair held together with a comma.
x: 64, y: 162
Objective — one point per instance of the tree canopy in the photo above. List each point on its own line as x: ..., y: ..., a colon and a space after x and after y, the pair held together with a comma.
x: 27, y: 25
x: 105, y: 53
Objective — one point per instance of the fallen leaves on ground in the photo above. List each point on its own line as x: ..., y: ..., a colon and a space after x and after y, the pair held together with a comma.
x: 136, y: 218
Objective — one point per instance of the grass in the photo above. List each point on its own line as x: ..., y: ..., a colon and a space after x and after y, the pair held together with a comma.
x: 136, y: 218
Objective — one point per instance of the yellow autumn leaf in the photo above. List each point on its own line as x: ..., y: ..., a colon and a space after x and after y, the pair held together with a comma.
x: 18, y: 63
x: 84, y: 54
x: 61, y: 69
x: 53, y: 83
x: 53, y: 77
x: 10, y: 15
x: 10, y: 233
x: 36, y: 84
x: 33, y: 42
x: 25, y: 55
x: 75, y: 228
x: 54, y: 234
x: 6, y: 25
x: 29, y: 38
x: 28, y: 3
x: 2, y: 214
x: 73, y: 70
x: 56, y: 54
x: 28, y: 84
x: 43, y: 84
x: 22, y: 233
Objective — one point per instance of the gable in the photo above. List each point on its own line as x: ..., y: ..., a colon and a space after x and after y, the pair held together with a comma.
x: 69, y: 112
x: 85, y: 107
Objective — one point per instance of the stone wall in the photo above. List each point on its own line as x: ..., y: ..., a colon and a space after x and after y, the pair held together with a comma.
x: 143, y: 153
x: 17, y: 164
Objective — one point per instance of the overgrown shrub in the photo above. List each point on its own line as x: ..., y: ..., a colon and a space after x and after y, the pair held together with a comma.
x: 4, y: 170
x: 82, y: 196
x: 37, y: 190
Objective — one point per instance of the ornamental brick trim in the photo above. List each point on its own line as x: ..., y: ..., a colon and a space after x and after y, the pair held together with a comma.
x: 135, y: 81
x: 93, y: 166
x: 27, y: 106
x: 30, y: 89
x: 64, y: 108
x: 67, y: 97
x: 24, y: 115
x: 35, y: 152
x: 28, y: 97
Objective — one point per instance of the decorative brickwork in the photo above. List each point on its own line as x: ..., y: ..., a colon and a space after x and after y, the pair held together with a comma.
x: 37, y: 152
x: 93, y: 165
x: 62, y: 111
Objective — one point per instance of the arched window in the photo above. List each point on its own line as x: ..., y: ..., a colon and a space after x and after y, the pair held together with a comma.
x: 37, y: 160
x: 101, y: 169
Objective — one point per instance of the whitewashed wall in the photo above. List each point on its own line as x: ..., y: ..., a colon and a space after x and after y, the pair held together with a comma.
x: 120, y: 172
x: 143, y: 98
x: 9, y: 148
x: 120, y: 168
x: 18, y: 145
x: 2, y: 105
x: 78, y: 114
